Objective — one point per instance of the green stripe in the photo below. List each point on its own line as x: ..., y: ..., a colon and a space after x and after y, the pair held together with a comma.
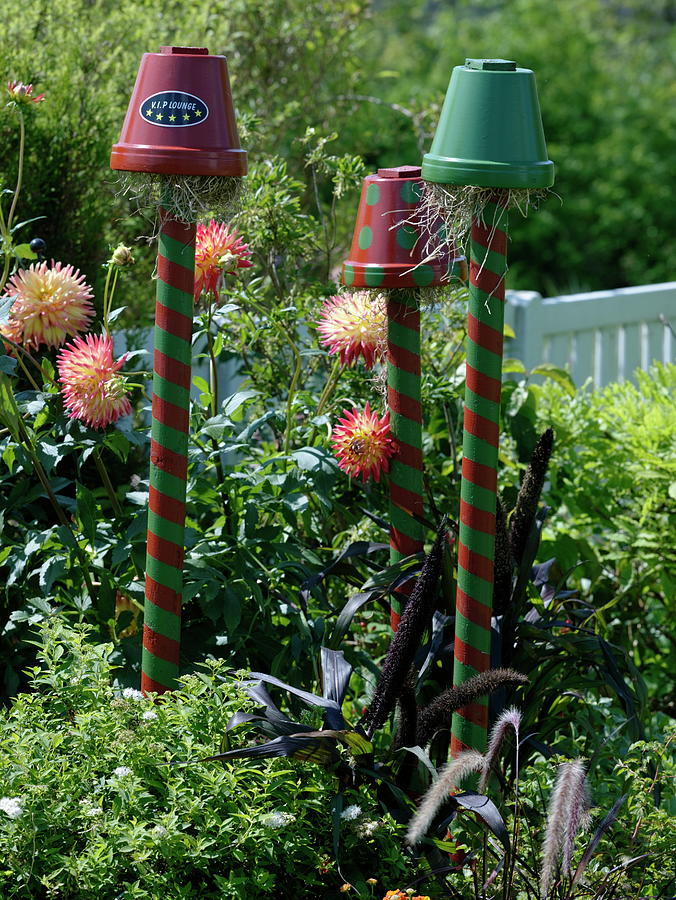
x: 403, y: 336
x: 403, y: 382
x: 479, y: 541
x: 406, y: 477
x: 406, y: 430
x: 177, y: 252
x: 163, y: 528
x: 172, y: 346
x: 477, y: 496
x: 169, y: 437
x: 475, y: 587
x: 470, y: 734
x: 159, y: 670
x: 405, y: 523
x: 406, y: 474
x: 488, y: 308
x: 169, y: 392
x: 476, y: 637
x: 166, y: 483
x: 164, y: 574
x: 482, y: 406
x: 175, y: 299
x: 488, y: 260
x: 162, y: 621
x: 485, y: 361
x: 480, y: 451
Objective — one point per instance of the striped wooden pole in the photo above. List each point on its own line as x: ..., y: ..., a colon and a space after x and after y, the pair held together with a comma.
x: 404, y: 402
x: 476, y: 541
x: 172, y: 360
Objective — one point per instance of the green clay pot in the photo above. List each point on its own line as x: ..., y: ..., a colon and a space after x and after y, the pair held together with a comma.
x: 490, y: 130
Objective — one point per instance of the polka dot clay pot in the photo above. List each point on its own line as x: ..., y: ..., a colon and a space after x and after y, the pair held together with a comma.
x: 180, y: 119
x: 388, y: 250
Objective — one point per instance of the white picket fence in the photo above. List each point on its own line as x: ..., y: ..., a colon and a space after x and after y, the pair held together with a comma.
x: 604, y: 335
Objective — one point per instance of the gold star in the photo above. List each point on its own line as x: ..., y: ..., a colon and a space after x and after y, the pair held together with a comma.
x: 198, y: 112
x: 149, y: 112
x: 172, y: 118
x: 186, y: 117
x: 159, y: 117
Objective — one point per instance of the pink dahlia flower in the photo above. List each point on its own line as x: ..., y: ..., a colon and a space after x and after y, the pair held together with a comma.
x: 217, y: 250
x: 91, y: 388
x: 22, y: 93
x: 354, y: 325
x: 363, y: 444
x: 50, y: 304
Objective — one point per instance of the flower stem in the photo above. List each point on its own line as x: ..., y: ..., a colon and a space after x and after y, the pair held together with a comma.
x: 329, y: 387
x: 7, y: 235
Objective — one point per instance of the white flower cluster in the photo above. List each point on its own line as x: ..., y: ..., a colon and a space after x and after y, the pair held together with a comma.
x: 368, y: 829
x: 351, y: 813
x: 11, y: 806
x: 90, y: 809
x: 121, y: 771
x: 149, y: 715
x: 133, y: 694
x: 277, y: 819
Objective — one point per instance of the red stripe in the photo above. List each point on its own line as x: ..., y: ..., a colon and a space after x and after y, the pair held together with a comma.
x: 166, y: 507
x: 165, y: 551
x: 489, y: 282
x: 408, y: 455
x: 470, y: 656
x: 183, y: 232
x: 472, y: 610
x: 403, y: 314
x: 483, y: 385
x: 478, y: 519
x: 405, y: 499
x: 395, y: 619
x: 484, y: 335
x: 458, y: 747
x: 168, y: 461
x: 165, y: 598
x: 488, y: 235
x: 404, y: 406
x: 173, y: 322
x: 479, y: 474
x: 175, y: 275
x: 475, y: 713
x: 474, y: 563
x: 150, y: 686
x: 163, y: 647
x: 404, y: 544
x: 481, y: 427
x: 404, y: 359
x: 170, y: 414
x: 172, y: 369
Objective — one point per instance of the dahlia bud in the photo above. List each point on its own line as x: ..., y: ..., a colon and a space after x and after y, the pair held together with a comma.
x: 122, y: 256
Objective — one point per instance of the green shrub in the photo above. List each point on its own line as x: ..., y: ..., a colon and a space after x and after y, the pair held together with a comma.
x: 93, y: 806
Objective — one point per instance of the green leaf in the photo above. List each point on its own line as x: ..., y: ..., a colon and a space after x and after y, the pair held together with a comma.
x: 9, y: 411
x: 7, y: 364
x: 86, y: 511
x: 557, y: 374
x: 23, y: 251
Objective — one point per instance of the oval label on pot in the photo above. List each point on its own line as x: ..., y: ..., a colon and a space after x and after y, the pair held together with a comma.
x: 173, y: 109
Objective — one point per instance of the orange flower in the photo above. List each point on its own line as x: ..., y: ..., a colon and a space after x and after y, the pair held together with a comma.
x: 354, y: 325
x: 217, y: 250
x: 50, y: 304
x: 91, y: 388
x: 363, y: 444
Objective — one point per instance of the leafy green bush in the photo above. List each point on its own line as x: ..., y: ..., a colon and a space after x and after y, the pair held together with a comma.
x: 93, y: 805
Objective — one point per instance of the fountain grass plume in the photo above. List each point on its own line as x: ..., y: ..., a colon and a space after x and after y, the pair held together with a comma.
x: 567, y: 808
x: 408, y: 713
x: 502, y: 579
x: 438, y: 713
x: 508, y: 718
x: 451, y: 775
x: 529, y: 495
x: 415, y: 619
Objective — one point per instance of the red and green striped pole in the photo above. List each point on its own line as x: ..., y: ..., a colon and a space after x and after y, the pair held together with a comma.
x: 404, y: 402
x: 478, y: 491
x: 172, y: 360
